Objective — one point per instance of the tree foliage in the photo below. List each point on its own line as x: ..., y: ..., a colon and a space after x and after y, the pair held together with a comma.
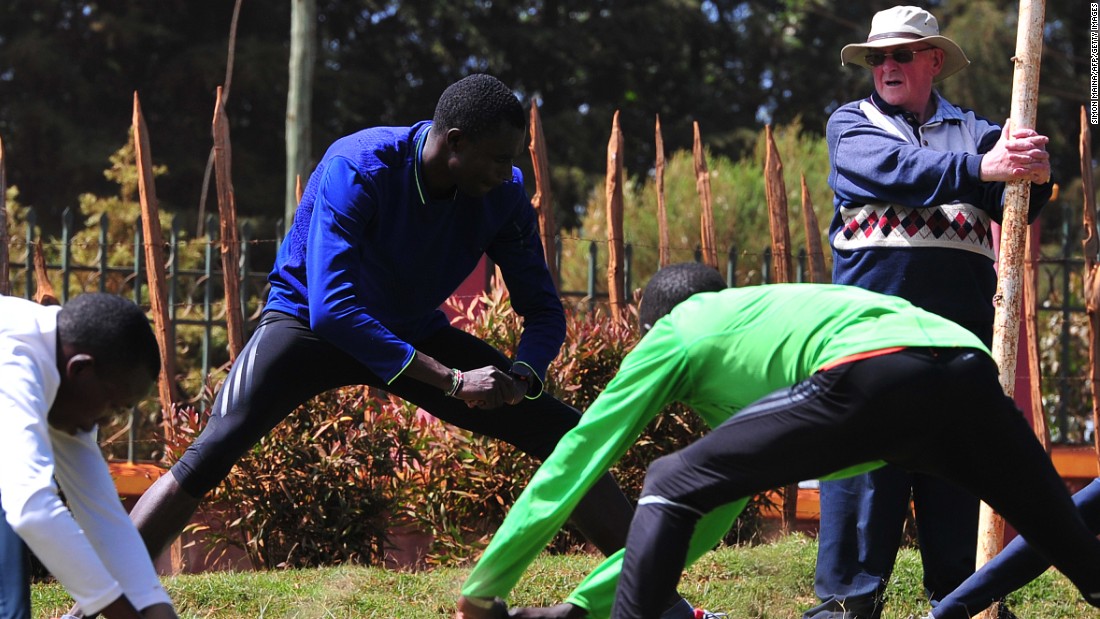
x: 69, y: 68
x: 739, y: 204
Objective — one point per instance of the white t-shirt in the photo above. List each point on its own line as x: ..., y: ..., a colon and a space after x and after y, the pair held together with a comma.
x: 91, y: 546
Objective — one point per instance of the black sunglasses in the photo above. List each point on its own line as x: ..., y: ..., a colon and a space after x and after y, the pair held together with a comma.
x: 900, y: 56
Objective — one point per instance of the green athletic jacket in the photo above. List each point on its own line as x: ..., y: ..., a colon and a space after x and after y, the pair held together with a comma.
x: 716, y: 353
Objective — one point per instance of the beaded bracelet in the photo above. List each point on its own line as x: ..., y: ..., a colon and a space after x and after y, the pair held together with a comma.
x: 456, y: 383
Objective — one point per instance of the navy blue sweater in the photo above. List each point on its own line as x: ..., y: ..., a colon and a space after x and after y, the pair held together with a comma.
x: 907, y: 170
x: 370, y: 257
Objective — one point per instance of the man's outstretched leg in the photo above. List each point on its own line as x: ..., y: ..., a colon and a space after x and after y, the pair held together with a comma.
x: 1018, y: 564
x: 282, y: 365
x: 603, y: 515
x: 162, y: 512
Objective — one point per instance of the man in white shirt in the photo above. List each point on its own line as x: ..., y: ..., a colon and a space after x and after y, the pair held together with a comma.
x: 65, y: 370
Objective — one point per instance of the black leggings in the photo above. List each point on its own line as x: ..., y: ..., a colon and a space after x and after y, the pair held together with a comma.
x: 939, y: 411
x: 285, y: 364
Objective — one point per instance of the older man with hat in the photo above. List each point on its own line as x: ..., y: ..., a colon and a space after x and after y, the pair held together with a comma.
x: 918, y: 181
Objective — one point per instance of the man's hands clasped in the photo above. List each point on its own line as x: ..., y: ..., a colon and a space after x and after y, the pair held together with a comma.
x: 490, y: 387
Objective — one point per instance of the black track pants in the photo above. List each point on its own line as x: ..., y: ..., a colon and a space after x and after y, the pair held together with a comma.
x: 939, y: 411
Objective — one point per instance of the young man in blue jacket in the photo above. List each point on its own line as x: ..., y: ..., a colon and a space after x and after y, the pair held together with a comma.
x: 918, y: 183
x: 392, y: 221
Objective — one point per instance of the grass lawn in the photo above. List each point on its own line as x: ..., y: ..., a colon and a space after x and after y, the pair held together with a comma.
x: 772, y: 581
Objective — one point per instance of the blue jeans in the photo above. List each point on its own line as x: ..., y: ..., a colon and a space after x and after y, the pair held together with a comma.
x: 15, y: 589
x: 1017, y: 565
x: 862, y: 518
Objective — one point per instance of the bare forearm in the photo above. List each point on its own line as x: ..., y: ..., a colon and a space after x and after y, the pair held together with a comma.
x: 486, y: 387
x: 429, y: 371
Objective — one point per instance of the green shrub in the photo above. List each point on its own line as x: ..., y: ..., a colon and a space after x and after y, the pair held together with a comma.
x: 312, y: 491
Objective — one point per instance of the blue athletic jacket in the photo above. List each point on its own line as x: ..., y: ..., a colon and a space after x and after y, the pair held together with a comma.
x: 370, y: 256
x: 912, y: 215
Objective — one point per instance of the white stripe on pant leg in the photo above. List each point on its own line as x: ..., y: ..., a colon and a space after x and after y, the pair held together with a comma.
x: 660, y: 500
x: 238, y: 377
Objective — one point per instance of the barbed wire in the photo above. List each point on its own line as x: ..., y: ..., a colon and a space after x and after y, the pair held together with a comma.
x: 19, y: 242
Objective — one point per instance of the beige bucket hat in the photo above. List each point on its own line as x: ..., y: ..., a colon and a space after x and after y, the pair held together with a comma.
x: 901, y: 25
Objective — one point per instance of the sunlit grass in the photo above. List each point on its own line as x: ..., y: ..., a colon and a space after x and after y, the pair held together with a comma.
x: 770, y: 581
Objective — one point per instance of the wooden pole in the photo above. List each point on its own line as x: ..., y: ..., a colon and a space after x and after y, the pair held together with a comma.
x: 230, y: 245
x: 5, y: 260
x: 616, y: 286
x: 154, y: 266
x: 1091, y: 244
x: 775, y: 190
x: 542, y: 201
x: 702, y: 186
x: 1006, y: 302
x: 664, y: 257
x: 816, y: 273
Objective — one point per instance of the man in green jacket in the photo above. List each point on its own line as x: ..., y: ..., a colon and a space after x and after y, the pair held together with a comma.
x: 778, y: 371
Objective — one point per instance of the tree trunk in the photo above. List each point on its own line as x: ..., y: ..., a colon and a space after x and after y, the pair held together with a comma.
x: 299, y: 101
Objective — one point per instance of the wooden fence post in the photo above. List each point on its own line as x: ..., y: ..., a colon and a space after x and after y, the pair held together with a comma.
x: 814, y: 250
x: 702, y: 187
x: 776, y: 191
x: 614, y: 190
x: 663, y: 252
x: 1091, y: 246
x: 230, y: 246
x: 154, y: 266
x: 1031, y: 331
x: 1006, y: 301
x: 67, y: 225
x: 542, y: 199
x: 43, y: 293
x: 5, y: 260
